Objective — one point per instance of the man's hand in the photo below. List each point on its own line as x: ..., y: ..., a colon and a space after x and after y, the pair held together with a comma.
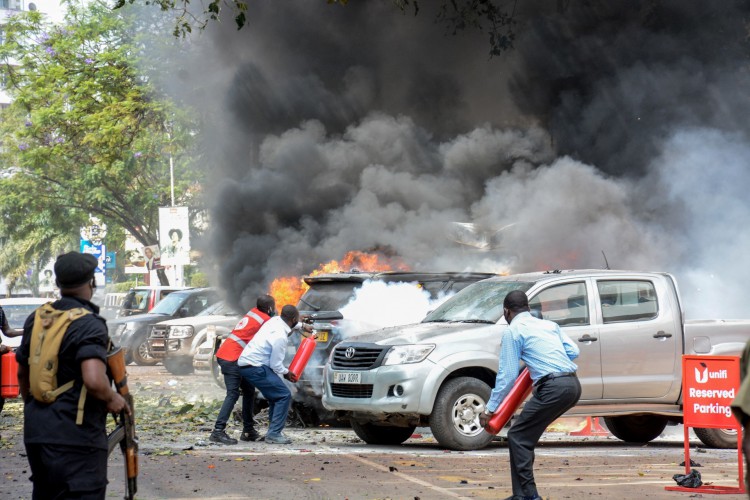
x: 4, y: 349
x: 286, y: 376
x: 483, y: 419
x: 117, y: 404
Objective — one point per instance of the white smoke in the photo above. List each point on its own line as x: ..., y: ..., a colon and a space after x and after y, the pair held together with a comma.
x: 377, y: 304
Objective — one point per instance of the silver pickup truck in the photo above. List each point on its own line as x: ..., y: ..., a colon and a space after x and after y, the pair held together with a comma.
x: 629, y: 326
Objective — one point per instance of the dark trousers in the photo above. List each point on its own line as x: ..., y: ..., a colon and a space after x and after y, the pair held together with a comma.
x: 67, y: 472
x: 275, y: 391
x: 235, y: 384
x: 549, y: 401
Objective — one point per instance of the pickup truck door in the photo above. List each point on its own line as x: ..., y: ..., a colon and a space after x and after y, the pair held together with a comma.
x: 569, y: 305
x: 640, y: 338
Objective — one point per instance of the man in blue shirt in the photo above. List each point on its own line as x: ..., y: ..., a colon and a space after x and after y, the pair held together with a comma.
x: 261, y: 364
x: 548, y: 354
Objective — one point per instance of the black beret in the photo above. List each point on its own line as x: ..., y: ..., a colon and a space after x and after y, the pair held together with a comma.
x: 74, y: 269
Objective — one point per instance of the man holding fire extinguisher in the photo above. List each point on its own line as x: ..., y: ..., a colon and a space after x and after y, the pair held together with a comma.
x: 548, y: 354
x: 261, y: 364
x: 227, y: 357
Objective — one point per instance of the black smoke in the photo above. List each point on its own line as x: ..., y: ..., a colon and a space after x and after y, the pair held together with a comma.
x: 331, y: 128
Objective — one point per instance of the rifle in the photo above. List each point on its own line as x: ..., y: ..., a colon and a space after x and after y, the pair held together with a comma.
x: 124, y: 432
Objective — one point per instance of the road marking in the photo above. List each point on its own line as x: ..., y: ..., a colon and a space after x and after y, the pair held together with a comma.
x: 407, y: 477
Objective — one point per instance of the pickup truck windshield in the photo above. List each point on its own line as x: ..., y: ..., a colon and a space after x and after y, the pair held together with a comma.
x: 478, y: 303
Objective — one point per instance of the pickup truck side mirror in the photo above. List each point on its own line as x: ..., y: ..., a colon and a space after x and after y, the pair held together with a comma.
x: 183, y: 312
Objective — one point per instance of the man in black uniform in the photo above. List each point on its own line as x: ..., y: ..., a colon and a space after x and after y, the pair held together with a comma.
x: 69, y: 460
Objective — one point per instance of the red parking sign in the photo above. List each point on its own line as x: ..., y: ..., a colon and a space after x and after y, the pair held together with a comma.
x: 710, y: 385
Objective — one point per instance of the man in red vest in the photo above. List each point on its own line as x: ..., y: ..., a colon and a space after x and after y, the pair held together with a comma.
x: 227, y: 356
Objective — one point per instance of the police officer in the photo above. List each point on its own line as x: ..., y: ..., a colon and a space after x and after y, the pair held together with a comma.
x: 69, y: 459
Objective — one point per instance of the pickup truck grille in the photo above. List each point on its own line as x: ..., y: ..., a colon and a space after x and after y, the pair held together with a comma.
x: 159, y: 332
x: 358, y: 356
x: 352, y: 390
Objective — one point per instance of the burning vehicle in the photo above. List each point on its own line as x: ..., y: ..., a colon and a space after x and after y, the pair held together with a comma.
x: 339, y: 306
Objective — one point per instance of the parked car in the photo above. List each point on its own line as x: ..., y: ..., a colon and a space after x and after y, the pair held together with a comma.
x: 628, y: 325
x: 174, y: 342
x: 131, y: 333
x: 17, y: 309
x: 141, y: 299
x: 110, y: 305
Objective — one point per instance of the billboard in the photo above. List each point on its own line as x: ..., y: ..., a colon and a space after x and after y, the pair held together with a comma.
x: 174, y: 236
x: 134, y: 262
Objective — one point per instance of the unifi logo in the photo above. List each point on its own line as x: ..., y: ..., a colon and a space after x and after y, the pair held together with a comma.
x: 702, y: 376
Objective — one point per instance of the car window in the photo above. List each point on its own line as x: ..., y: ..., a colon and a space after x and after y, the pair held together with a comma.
x: 328, y: 296
x: 631, y: 300
x: 481, y: 302
x: 17, y: 313
x: 136, y: 300
x: 163, y: 293
x: 198, y: 302
x: 566, y: 304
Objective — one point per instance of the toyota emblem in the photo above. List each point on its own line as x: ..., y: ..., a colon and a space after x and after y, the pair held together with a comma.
x: 349, y: 352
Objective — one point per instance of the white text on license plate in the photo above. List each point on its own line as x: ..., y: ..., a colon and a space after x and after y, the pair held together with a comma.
x: 347, y: 377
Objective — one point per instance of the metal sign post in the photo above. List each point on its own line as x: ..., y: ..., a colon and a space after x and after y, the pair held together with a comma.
x: 710, y: 384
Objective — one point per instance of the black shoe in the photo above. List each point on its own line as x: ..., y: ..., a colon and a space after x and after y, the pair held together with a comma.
x: 251, y: 435
x: 221, y: 438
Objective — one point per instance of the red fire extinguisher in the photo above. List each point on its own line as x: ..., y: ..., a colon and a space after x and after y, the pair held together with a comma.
x: 297, y: 366
x: 9, y: 376
x: 510, y: 404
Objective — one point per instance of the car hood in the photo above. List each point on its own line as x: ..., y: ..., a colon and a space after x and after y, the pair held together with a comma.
x: 419, y: 333
x: 140, y: 318
x: 198, y: 321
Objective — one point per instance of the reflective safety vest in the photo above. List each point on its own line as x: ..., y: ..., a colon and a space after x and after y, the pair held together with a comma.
x: 245, y: 330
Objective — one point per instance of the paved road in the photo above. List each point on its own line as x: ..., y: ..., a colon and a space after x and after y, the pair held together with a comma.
x: 333, y: 463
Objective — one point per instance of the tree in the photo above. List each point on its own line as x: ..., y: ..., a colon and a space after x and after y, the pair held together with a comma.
x: 87, y: 133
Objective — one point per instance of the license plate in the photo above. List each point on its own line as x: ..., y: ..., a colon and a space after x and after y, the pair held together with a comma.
x: 322, y: 336
x: 347, y: 377
x: 157, y: 343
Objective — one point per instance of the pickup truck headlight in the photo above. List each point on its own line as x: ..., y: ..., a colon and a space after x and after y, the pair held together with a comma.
x: 405, y: 354
x: 181, y: 332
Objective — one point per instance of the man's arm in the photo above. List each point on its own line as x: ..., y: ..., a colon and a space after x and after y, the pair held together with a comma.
x: 8, y: 331
x: 571, y: 349
x: 507, y: 371
x: 97, y: 384
x: 23, y: 381
x: 278, y: 351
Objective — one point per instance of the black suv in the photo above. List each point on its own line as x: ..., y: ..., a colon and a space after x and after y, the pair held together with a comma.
x: 131, y: 333
x: 329, y: 293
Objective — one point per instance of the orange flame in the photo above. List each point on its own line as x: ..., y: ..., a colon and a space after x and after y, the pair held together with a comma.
x: 288, y: 289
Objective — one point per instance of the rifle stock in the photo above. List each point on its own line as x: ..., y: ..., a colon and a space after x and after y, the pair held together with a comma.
x: 124, y: 433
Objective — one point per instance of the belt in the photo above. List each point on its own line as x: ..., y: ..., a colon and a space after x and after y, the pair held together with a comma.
x: 552, y: 375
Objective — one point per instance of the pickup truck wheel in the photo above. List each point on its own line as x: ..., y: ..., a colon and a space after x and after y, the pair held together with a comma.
x: 636, y: 428
x: 178, y: 366
x: 382, y: 434
x: 717, y: 438
x: 455, y: 417
x: 141, y: 355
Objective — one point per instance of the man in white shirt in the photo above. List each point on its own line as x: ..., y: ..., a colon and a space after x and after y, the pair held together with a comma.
x: 261, y: 363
